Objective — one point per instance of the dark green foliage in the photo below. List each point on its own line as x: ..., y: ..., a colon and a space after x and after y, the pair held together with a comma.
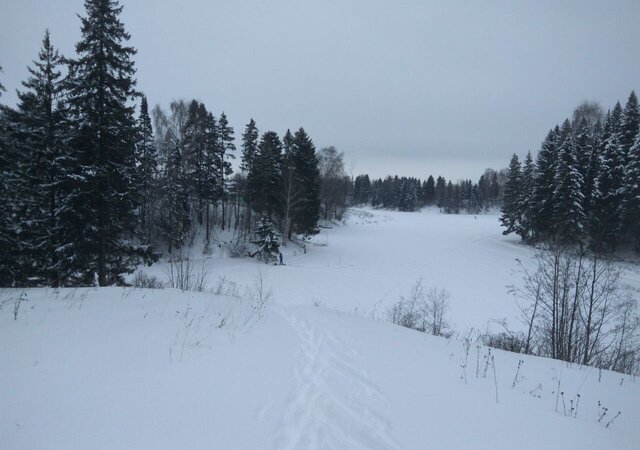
x: 249, y: 145
x: 264, y: 181
x: 511, y: 207
x: 632, y: 195
x: 568, y: 197
x: 545, y: 185
x: 43, y: 173
x: 585, y: 189
x: 304, y: 163
x: 607, y: 206
x: 101, y: 87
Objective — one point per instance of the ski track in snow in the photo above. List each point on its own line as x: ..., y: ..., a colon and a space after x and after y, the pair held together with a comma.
x: 333, y: 405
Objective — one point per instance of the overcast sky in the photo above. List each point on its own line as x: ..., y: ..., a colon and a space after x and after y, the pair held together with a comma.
x: 409, y: 87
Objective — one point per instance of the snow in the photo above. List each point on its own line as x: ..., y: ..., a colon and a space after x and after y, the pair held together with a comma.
x: 164, y: 369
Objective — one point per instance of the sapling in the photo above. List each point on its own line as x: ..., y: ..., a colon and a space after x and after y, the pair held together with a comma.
x: 487, y: 361
x: 557, y: 394
x: 564, y: 406
x: 614, y: 418
x: 16, y: 305
x: 477, y: 361
x: 515, y: 379
x: 602, y: 411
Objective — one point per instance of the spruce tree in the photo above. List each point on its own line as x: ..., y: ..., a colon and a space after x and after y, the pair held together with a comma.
x: 440, y: 192
x: 267, y: 240
x: 226, y: 147
x: 9, y: 270
x: 249, y: 145
x: 511, y: 206
x: 147, y: 170
x: 607, y: 206
x: 306, y: 213
x: 630, y: 125
x: 265, y: 177
x: 568, y: 213
x: 429, y: 191
x: 45, y: 166
x: 527, y: 192
x: 545, y: 185
x: 101, y: 89
x: 631, y: 207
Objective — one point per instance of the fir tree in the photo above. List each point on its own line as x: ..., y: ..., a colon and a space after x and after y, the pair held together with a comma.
x: 631, y: 208
x: 9, y: 269
x: 265, y: 177
x: 568, y: 214
x: 226, y: 147
x: 147, y: 170
x: 630, y: 125
x: 527, y: 192
x: 249, y: 145
x: 267, y: 241
x: 545, y: 185
x: 304, y: 161
x: 440, y: 192
x: 101, y: 87
x: 511, y: 206
x: 607, y: 206
x: 40, y: 126
x: 429, y: 190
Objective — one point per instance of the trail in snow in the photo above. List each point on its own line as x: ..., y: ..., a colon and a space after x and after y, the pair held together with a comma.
x: 333, y: 404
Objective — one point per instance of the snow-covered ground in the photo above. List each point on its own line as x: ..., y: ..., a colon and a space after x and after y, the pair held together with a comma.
x: 117, y: 368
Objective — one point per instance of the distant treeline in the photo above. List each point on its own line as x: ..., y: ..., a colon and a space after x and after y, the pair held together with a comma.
x: 584, y: 187
x: 410, y: 194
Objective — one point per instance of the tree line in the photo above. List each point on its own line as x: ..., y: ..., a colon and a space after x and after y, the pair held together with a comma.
x: 584, y: 187
x: 411, y: 194
x: 92, y: 183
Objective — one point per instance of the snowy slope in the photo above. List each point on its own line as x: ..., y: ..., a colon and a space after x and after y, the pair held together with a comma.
x: 163, y: 369
x: 141, y: 369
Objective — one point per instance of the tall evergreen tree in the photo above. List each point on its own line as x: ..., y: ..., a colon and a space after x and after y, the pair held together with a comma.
x: 8, y: 191
x: 249, y: 145
x: 527, y: 192
x: 607, y: 206
x: 226, y: 147
x: 545, y: 185
x: 306, y: 213
x: 44, y: 165
x: 630, y: 125
x: 568, y: 213
x: 511, y: 206
x: 147, y: 170
x: 631, y: 205
x: 429, y: 190
x: 265, y: 177
x: 101, y: 87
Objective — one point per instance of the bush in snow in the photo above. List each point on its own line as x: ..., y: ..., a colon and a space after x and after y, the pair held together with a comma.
x: 422, y: 310
x: 143, y: 280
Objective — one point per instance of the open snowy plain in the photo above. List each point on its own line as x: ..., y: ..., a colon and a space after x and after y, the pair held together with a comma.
x: 313, y: 365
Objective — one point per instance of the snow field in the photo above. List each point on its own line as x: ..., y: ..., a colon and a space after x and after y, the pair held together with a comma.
x: 164, y: 369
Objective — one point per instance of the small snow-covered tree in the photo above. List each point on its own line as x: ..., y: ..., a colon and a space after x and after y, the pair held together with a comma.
x: 267, y: 240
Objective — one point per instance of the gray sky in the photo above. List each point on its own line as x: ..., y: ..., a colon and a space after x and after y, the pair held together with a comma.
x: 409, y: 87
